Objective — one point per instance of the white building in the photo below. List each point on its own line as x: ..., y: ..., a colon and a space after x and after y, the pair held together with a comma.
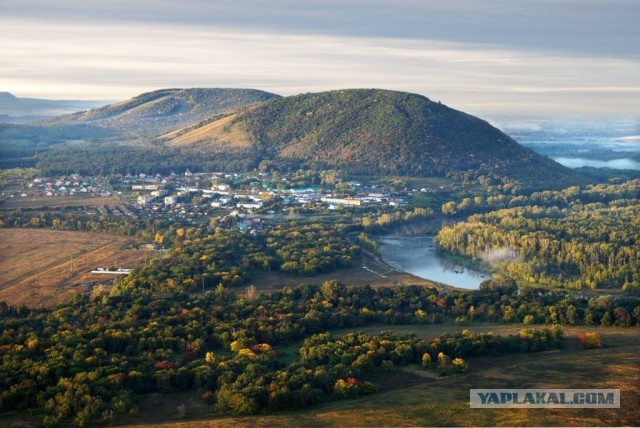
x: 249, y: 205
x: 144, y: 199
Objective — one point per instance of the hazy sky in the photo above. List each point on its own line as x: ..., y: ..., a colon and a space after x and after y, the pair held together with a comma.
x: 526, y: 57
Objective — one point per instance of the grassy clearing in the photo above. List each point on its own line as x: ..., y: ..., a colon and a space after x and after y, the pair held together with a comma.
x: 412, y: 397
x: 377, y: 274
x: 58, y: 202
x: 35, y: 264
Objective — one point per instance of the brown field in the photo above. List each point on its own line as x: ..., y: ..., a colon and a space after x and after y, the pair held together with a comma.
x: 35, y: 264
x: 411, y: 396
x: 57, y: 202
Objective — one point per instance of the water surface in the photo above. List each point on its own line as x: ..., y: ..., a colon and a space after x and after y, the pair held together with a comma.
x: 417, y: 256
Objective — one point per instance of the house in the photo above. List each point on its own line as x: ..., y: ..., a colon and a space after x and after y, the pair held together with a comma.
x: 144, y: 187
x: 170, y: 200
x: 220, y: 202
x: 340, y: 201
x: 144, y: 199
x: 249, y: 205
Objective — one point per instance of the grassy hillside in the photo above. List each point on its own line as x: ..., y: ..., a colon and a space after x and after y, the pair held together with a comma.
x: 166, y: 109
x: 381, y: 132
x: 132, y: 122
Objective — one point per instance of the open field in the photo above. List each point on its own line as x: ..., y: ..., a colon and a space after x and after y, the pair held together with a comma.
x: 35, y: 264
x: 58, y: 202
x: 412, y: 397
x: 365, y: 270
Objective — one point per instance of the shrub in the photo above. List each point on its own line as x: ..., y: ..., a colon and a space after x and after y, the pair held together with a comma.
x: 589, y: 340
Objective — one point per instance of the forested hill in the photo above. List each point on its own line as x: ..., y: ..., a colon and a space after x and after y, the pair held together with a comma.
x: 159, y: 111
x: 381, y: 132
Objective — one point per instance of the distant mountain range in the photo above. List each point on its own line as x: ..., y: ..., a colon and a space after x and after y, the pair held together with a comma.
x: 21, y: 110
x: 360, y: 132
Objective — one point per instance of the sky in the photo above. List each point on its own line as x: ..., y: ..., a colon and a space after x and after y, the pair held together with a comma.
x: 530, y: 58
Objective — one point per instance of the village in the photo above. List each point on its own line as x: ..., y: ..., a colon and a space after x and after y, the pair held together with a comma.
x: 239, y: 200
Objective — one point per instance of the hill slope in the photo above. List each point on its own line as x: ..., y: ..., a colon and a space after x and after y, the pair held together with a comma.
x: 159, y: 111
x: 378, y: 132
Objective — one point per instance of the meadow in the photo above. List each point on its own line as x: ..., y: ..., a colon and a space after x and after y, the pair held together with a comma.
x: 35, y: 264
x: 45, y: 202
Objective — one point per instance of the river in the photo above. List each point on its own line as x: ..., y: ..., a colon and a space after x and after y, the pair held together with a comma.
x: 417, y: 256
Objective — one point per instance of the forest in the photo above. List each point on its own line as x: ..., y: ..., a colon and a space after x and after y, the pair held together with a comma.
x: 228, y: 258
x: 91, y: 359
x: 572, y: 238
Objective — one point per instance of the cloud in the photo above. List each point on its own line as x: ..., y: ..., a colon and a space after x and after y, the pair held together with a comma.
x: 116, y: 60
x: 594, y: 27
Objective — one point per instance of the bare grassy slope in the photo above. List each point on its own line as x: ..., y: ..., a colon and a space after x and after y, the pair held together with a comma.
x: 153, y: 113
x: 222, y: 131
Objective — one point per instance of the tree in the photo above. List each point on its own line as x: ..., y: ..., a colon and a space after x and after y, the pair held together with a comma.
x: 230, y: 401
x: 444, y: 363
x: 622, y: 317
x: 426, y: 360
x: 459, y: 365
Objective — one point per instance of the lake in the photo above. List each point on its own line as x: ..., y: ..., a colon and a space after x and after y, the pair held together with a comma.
x: 417, y: 256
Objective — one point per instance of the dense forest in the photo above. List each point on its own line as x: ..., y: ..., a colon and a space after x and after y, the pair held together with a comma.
x: 228, y: 258
x: 92, y: 358
x: 573, y: 238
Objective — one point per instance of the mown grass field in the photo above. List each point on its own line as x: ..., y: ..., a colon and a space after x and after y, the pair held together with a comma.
x: 411, y: 396
x: 35, y: 264
x: 377, y: 273
x: 58, y: 202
